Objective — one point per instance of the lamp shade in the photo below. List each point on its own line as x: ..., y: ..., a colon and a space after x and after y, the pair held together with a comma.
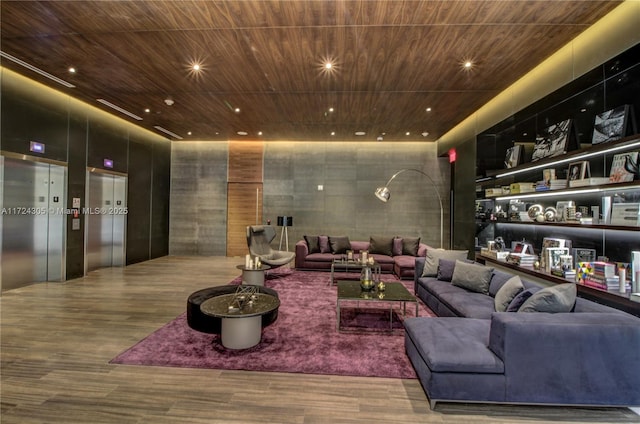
x: 383, y: 193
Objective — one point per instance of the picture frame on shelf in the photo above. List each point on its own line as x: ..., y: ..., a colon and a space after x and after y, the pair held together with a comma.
x: 624, y: 167
x: 583, y: 255
x: 562, y: 207
x: 554, y: 257
x: 613, y: 124
x: 550, y: 243
x: 548, y: 175
x: 578, y: 171
x: 513, y: 156
x: 554, y: 140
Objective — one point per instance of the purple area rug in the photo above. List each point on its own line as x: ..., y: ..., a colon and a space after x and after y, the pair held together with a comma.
x: 303, y: 339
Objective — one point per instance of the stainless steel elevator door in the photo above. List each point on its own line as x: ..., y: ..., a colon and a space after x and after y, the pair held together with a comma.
x: 33, y: 222
x: 105, y: 220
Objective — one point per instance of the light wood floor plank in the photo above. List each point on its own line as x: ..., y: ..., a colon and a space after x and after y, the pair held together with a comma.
x: 57, y: 340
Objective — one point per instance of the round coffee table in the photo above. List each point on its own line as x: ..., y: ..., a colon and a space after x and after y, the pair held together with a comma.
x: 253, y: 276
x: 241, y: 327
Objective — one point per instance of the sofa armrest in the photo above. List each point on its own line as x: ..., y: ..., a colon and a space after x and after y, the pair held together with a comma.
x: 302, y: 250
x: 417, y: 273
x: 573, y: 358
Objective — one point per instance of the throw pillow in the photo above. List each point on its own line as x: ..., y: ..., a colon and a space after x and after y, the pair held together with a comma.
x: 445, y: 269
x: 520, y: 298
x: 560, y: 298
x: 397, y: 246
x: 312, y: 244
x: 434, y: 255
x: 410, y: 246
x: 472, y: 277
x: 323, y: 242
x: 507, y: 292
x: 339, y: 244
x: 381, y: 245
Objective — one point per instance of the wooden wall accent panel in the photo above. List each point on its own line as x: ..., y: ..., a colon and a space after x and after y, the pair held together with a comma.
x: 245, y: 161
x: 244, y: 202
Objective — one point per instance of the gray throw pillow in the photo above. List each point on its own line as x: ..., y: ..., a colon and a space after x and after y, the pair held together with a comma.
x: 339, y: 244
x: 555, y: 299
x: 472, y: 277
x: 381, y: 245
x: 507, y: 292
x: 312, y: 244
x: 410, y: 246
x: 522, y: 297
x: 434, y: 256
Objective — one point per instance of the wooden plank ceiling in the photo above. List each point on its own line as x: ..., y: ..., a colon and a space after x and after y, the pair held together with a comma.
x: 392, y: 60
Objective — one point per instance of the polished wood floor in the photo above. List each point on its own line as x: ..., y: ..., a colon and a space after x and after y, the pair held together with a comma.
x: 58, y: 338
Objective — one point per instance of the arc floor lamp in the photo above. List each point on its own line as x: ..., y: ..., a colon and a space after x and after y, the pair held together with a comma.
x: 384, y: 194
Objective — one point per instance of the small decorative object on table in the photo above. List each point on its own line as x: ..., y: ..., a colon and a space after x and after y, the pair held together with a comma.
x: 366, y: 279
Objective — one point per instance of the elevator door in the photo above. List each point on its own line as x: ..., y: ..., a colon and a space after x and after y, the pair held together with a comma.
x: 105, y: 220
x: 33, y: 222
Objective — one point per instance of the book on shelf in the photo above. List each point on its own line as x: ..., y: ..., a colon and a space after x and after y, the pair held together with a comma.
x: 558, y: 184
x: 604, y: 269
x: 521, y: 259
x: 589, y: 182
x: 623, y: 167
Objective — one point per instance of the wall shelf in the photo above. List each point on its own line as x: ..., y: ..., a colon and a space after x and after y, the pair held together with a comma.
x: 571, y: 225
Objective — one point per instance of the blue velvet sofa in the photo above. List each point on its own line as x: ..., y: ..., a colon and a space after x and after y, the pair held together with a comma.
x: 470, y: 353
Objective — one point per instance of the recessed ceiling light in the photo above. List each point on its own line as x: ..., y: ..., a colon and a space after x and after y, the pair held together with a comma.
x: 328, y: 65
x: 196, y: 67
x: 72, y: 70
x: 425, y: 133
x: 242, y: 133
x: 583, y: 110
x: 333, y: 133
x: 360, y: 133
x: 408, y: 133
x: 330, y: 109
x: 147, y: 110
x: 237, y: 110
x: 428, y: 109
x: 189, y: 133
x: 259, y: 132
x: 468, y: 64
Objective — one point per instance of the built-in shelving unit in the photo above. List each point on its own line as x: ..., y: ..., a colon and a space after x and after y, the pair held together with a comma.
x: 613, y: 241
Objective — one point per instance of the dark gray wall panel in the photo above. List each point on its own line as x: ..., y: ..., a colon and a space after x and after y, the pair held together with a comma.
x: 161, y: 187
x: 139, y: 202
x: 198, y: 211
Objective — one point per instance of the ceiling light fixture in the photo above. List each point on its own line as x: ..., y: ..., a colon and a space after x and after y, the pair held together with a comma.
x: 236, y: 110
x: 196, y: 67
x: 333, y: 133
x: 428, y: 109
x: 242, y: 133
x: 119, y: 109
x: 36, y: 70
x: 189, y: 133
x: 360, y: 133
x: 468, y: 64
x: 330, y: 109
x: 72, y: 70
x: 408, y: 133
x: 166, y: 131
x: 425, y: 133
x: 259, y: 132
x: 147, y: 110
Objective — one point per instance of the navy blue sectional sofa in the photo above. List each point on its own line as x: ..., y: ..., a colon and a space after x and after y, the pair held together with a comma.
x: 470, y: 353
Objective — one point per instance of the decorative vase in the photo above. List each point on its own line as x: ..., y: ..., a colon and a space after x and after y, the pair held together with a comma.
x: 366, y: 279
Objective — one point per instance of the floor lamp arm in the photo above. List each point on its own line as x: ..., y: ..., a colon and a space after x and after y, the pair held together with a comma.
x: 434, y: 189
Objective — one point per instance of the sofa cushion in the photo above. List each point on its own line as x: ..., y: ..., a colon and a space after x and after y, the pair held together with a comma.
x: 459, y: 301
x: 405, y: 262
x: 410, y: 246
x: 397, y: 246
x: 323, y: 242
x: 445, y: 269
x: 520, y: 298
x: 339, y: 244
x: 507, y: 292
x: 497, y: 280
x: 312, y: 244
x: 472, y: 277
x: 434, y: 255
x: 555, y: 299
x: 456, y: 345
x: 381, y: 245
